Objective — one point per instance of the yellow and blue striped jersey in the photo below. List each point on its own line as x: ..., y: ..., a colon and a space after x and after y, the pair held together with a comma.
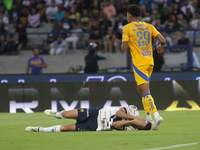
x: 139, y: 36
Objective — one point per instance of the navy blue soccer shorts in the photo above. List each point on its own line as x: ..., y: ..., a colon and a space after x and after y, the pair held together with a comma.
x: 87, y: 119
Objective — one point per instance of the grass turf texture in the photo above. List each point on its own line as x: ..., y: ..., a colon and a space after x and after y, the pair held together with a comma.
x: 178, y: 127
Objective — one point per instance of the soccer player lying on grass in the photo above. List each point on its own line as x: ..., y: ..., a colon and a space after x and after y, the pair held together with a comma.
x: 96, y: 119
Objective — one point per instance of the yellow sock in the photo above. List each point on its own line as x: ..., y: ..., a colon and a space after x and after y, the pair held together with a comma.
x: 146, y: 108
x: 150, y: 102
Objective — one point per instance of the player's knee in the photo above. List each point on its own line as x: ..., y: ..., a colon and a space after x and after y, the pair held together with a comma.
x: 63, y: 128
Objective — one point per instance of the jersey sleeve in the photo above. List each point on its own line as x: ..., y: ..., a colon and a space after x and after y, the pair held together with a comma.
x: 154, y: 31
x: 125, y: 34
x: 131, y: 110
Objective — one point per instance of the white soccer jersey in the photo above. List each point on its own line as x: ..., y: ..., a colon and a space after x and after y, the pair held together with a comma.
x: 106, y: 117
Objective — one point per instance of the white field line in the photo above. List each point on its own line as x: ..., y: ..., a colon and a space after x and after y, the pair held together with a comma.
x: 174, y: 146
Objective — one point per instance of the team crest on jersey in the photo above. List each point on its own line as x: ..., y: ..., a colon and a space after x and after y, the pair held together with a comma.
x: 82, y: 110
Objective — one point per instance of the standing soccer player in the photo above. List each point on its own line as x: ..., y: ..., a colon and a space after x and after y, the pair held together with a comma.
x: 138, y: 35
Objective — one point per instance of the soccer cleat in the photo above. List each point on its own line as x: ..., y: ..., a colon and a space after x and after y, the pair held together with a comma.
x: 32, y: 129
x: 50, y: 112
x: 158, y: 121
x: 53, y: 113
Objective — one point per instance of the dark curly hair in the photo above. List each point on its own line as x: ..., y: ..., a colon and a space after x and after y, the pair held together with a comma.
x: 134, y: 10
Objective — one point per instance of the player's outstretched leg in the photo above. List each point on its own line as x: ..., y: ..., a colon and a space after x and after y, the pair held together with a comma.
x: 150, y: 102
x: 71, y: 114
x: 41, y: 129
x: 148, y: 111
x: 56, y: 128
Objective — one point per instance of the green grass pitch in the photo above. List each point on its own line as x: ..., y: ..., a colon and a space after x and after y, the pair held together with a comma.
x: 179, y: 127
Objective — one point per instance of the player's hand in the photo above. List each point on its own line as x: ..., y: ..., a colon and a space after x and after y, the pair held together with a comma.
x: 159, y: 49
x: 37, y: 66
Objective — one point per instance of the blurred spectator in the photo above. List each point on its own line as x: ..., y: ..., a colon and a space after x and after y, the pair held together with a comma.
x: 118, y: 39
x: 91, y: 60
x: 79, y: 69
x: 194, y: 22
x: 34, y: 18
x: 105, y: 23
x: 57, y: 2
x: 2, y: 44
x: 22, y: 36
x: 145, y: 3
x: 71, y: 70
x: 171, y: 22
x: 11, y: 46
x: 4, y: 20
x: 176, y: 10
x: 182, y: 23
x: 158, y: 25
x: 83, y: 4
x: 186, y: 41
x: 153, y: 19
x: 23, y: 16
x: 14, y: 14
x: 42, y: 11
x: 125, y: 6
x: 185, y: 6
x: 158, y: 61
x: 188, y: 15
x: 160, y: 4
x: 58, y: 46
x: 26, y: 3
x: 85, y: 20
x: 74, y: 37
x: 96, y: 25
x: 2, y: 29
x: 36, y: 63
x: 46, y: 44
x: 155, y: 12
x: 19, y: 5
x: 60, y: 14
x: 4, y: 11
x: 164, y: 15
x: 68, y: 3
x: 74, y: 16
x: 8, y: 4
x: 118, y: 6
x: 109, y: 40
x: 58, y: 29
x: 109, y: 10
x: 120, y: 21
x: 96, y: 12
x: 96, y: 37
x: 51, y: 11
x: 67, y: 22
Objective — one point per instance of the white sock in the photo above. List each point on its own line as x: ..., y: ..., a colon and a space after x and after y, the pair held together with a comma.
x: 50, y: 129
x: 148, y: 117
x: 58, y: 115
x: 156, y: 114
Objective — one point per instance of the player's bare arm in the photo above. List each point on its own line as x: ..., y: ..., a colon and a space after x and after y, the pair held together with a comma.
x: 119, y: 125
x: 124, y: 46
x: 122, y: 114
x: 162, y: 43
